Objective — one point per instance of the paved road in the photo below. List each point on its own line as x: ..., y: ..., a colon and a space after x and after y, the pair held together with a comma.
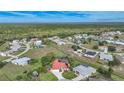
x: 26, y: 50
x: 95, y: 50
x: 16, y: 56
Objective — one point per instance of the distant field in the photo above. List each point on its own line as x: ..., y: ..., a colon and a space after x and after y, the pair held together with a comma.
x: 11, y: 31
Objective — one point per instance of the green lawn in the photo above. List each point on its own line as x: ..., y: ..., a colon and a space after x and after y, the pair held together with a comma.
x: 116, y: 78
x: 48, y: 77
x: 4, y: 46
x: 3, y: 58
x: 69, y: 75
x: 11, y: 71
x: 91, y: 44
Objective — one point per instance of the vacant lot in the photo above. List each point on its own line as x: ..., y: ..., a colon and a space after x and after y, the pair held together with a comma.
x: 38, y: 53
x: 119, y: 69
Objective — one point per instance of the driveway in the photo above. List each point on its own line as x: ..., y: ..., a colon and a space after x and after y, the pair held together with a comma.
x: 58, y: 74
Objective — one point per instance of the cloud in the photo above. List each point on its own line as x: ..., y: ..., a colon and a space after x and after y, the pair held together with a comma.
x: 24, y: 14
x: 61, y: 16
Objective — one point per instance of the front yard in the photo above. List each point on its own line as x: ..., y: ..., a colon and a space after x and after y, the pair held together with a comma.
x: 48, y: 77
x: 69, y: 75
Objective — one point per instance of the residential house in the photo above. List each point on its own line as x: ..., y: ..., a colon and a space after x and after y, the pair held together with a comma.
x: 57, y: 40
x: 106, y: 57
x: 3, y: 54
x: 103, y: 49
x: 38, y: 43
x: 15, y: 45
x: 60, y: 64
x: 118, y: 32
x: 118, y: 42
x: 91, y: 54
x: 78, y: 36
x: 21, y: 61
x: 84, y: 70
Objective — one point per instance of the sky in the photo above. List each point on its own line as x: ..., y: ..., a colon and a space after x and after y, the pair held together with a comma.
x: 60, y: 16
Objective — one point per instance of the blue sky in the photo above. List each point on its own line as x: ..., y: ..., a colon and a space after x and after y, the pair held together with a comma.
x: 59, y: 16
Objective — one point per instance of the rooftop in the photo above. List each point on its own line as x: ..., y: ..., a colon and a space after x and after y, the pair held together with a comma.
x: 84, y: 69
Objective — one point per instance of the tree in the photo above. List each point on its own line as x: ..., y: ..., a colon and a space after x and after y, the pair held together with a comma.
x: 116, y: 37
x: 115, y: 62
x: 74, y: 47
x: 46, y: 60
x: 89, y: 40
x: 41, y: 70
x: 2, y: 64
x: 95, y: 47
x: 110, y: 70
x: 106, y: 73
x: 101, y: 43
x: 19, y: 77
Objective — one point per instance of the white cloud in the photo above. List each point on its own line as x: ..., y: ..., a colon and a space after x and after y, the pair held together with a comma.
x: 22, y: 14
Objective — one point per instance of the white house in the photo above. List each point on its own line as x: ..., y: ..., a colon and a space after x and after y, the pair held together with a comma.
x: 106, y: 57
x: 3, y: 54
x: 84, y: 70
x: 118, y: 32
x: 119, y: 43
x: 21, y: 61
x: 109, y: 41
x: 15, y: 46
x: 38, y: 43
x: 103, y: 49
x: 57, y: 40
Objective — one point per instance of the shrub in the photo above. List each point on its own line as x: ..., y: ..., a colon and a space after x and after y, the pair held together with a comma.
x: 33, y: 61
x: 95, y: 47
x: 111, y: 48
x: 2, y: 64
x: 46, y: 60
x: 74, y: 47
x: 106, y: 73
x: 19, y: 77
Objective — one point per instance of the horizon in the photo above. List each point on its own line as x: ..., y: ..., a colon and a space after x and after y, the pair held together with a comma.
x: 61, y: 17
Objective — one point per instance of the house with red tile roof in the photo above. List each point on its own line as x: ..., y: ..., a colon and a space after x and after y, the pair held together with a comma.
x: 60, y: 64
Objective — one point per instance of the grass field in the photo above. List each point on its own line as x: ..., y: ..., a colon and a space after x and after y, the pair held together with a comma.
x: 116, y: 78
x: 10, y: 71
x: 47, y: 77
x: 4, y: 46
x: 38, y: 53
x: 69, y: 75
